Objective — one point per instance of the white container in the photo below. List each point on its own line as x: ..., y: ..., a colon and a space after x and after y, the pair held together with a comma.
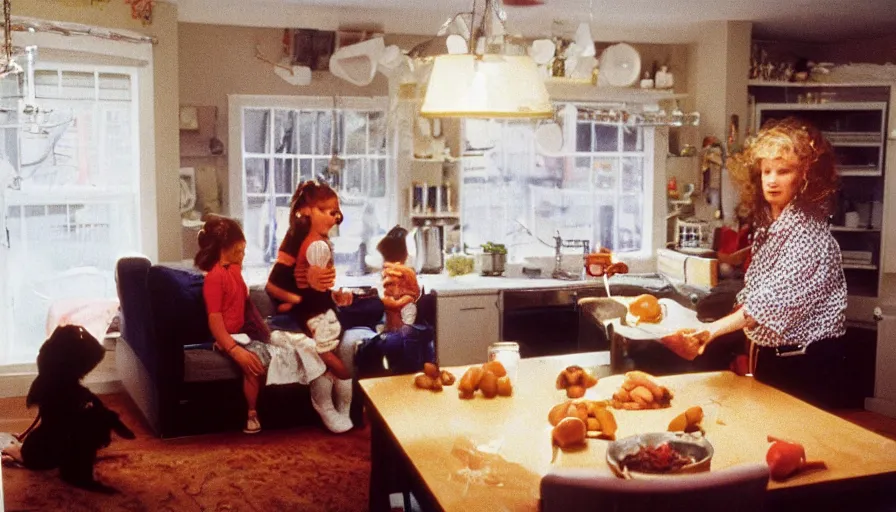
x: 508, y: 354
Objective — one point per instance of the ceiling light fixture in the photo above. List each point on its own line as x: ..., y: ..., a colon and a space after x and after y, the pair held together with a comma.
x: 485, y: 85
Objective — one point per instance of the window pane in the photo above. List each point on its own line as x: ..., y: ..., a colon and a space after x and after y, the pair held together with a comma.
x: 306, y: 170
x: 260, y: 239
x: 354, y: 131
x: 115, y: 86
x: 256, y: 175
x: 307, y: 129
x: 78, y: 85
x: 378, y: 137
x: 583, y: 137
x: 632, y: 139
x: 630, y: 220
x: 255, y: 130
x: 352, y: 172
x: 606, y: 138
x: 321, y: 167
x: 324, y: 133
x: 632, y: 174
x: 605, y: 172
x: 604, y: 220
x: 377, y: 178
x: 579, y: 175
x: 46, y: 83
x: 284, y: 176
x: 285, y: 131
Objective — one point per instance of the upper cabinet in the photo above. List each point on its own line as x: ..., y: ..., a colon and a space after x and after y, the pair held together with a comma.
x: 855, y: 121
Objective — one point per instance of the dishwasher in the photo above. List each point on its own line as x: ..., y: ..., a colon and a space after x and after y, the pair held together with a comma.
x: 544, y: 322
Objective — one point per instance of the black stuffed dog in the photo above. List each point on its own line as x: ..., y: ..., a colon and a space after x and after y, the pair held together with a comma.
x: 74, y: 423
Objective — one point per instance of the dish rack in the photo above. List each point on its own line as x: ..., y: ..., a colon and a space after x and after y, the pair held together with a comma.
x: 694, y: 234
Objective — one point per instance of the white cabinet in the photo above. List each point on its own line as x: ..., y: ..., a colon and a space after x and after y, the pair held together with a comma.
x: 466, y: 326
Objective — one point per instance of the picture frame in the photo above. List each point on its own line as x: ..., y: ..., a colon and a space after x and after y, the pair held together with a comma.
x: 188, y: 118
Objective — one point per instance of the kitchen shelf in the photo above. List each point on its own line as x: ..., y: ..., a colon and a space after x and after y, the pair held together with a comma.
x: 436, y: 160
x: 859, y: 266
x: 567, y: 90
x: 770, y: 83
x: 845, y: 229
x: 833, y: 105
x: 866, y: 173
x: 430, y: 216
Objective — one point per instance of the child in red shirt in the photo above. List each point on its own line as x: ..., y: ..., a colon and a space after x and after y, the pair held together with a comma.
x: 232, y: 318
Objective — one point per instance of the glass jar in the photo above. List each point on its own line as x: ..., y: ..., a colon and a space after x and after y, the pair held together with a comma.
x: 508, y: 353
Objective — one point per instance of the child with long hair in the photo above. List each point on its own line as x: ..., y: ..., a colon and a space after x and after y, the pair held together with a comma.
x: 232, y: 318
x: 301, y: 282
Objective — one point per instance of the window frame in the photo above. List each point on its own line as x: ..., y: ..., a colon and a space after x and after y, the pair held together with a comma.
x: 653, y: 168
x: 238, y: 197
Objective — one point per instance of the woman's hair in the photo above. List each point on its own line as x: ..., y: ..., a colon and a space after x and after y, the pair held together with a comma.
x: 217, y: 234
x: 393, y: 246
x: 816, y: 161
x: 308, y: 193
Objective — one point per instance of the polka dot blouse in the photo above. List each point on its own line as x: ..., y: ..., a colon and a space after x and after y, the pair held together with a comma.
x: 794, y: 288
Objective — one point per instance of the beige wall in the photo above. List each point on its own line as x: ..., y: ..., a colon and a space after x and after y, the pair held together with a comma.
x: 218, y: 60
x: 165, y: 76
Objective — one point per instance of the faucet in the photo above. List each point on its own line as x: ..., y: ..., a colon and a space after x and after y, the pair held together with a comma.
x: 559, y: 244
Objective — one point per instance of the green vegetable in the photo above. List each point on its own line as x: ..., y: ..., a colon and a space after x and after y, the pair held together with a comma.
x: 459, y: 265
x: 493, y: 248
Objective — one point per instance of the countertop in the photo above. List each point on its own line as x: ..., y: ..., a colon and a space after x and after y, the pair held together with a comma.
x: 476, y: 284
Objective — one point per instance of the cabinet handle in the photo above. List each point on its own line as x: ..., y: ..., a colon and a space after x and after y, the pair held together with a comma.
x: 473, y: 308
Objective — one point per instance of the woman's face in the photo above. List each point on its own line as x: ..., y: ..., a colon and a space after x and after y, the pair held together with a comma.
x: 323, y: 215
x: 234, y: 255
x: 781, y: 180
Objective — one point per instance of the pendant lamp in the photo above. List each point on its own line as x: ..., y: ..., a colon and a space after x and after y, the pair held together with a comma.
x: 486, y: 86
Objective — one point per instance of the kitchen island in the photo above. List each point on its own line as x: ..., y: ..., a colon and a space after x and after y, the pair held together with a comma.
x: 418, y: 438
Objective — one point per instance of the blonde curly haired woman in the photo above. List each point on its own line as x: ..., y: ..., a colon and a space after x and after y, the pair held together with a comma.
x: 792, y: 307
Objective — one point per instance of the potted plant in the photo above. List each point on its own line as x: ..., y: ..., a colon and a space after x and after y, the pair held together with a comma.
x: 493, y: 258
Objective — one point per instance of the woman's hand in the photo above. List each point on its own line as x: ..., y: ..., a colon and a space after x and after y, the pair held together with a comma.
x: 249, y: 362
x: 687, y: 343
x: 343, y: 298
x: 321, y: 278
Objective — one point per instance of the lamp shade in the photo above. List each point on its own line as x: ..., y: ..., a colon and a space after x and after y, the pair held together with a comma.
x: 486, y: 86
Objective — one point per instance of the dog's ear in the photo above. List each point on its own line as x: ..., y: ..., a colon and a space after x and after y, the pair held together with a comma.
x: 70, y: 352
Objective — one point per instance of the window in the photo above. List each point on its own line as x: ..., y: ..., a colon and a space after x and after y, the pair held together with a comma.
x: 287, y: 141
x: 74, y: 207
x: 596, y: 191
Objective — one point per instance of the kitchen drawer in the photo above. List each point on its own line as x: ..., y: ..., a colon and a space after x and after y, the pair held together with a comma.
x: 465, y: 326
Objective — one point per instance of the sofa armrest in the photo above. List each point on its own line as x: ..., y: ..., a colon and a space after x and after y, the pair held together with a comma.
x: 136, y: 314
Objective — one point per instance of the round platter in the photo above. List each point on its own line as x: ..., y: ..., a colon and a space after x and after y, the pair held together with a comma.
x: 620, y: 65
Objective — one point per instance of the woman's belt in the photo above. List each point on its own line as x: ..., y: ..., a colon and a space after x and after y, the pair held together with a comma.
x: 780, y: 351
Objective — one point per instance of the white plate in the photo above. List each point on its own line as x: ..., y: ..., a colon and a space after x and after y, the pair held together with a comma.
x: 620, y: 65
x: 675, y: 317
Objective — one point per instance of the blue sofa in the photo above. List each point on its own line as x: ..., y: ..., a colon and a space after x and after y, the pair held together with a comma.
x: 166, y: 362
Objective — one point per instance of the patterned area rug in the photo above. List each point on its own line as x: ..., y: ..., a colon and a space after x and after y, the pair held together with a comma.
x: 302, y: 469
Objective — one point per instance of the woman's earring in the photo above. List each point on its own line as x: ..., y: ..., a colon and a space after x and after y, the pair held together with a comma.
x: 805, y: 186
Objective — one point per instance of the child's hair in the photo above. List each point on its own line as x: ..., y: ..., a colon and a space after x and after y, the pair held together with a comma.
x: 393, y: 246
x: 217, y: 234
x: 308, y: 193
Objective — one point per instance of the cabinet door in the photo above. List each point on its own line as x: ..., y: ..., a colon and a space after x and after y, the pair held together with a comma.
x: 467, y: 325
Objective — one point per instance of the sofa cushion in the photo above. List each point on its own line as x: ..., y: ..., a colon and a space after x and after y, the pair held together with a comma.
x: 177, y: 301
x: 203, y: 365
